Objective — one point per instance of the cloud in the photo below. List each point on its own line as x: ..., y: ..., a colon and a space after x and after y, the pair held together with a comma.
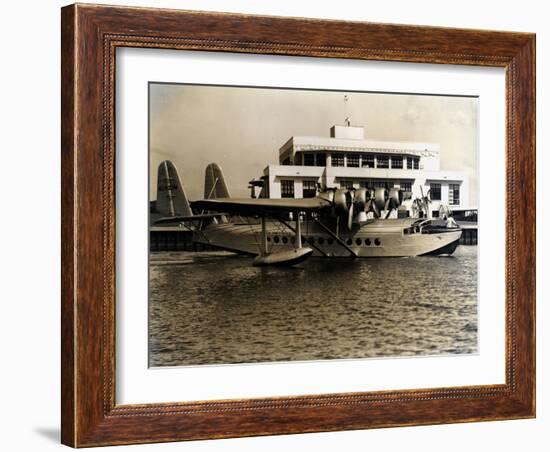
x: 412, y: 115
x: 460, y: 118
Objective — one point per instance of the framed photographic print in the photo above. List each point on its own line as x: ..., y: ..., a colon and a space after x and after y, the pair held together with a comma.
x: 282, y: 225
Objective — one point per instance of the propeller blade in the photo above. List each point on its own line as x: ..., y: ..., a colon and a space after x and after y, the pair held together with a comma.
x: 350, y: 211
x: 374, y: 208
x: 350, y: 216
x: 390, y: 206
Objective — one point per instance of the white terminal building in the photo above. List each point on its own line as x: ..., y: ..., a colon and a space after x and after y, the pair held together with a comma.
x: 346, y: 159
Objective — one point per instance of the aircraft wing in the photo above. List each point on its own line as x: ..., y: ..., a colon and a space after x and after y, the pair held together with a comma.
x: 258, y: 206
x: 179, y: 218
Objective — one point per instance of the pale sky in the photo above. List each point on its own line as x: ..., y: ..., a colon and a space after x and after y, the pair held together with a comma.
x: 242, y: 129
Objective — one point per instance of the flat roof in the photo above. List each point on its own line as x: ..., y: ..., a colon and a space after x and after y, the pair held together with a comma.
x: 306, y: 143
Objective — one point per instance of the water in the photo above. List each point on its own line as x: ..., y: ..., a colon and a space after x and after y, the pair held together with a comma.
x: 215, y: 308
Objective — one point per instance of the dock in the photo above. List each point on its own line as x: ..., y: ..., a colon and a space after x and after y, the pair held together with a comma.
x: 174, y: 238
x: 469, y: 233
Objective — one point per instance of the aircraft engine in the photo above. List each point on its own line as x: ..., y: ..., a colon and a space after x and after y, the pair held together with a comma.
x: 362, y: 195
x: 380, y: 196
x: 344, y: 203
x: 395, y: 198
x: 328, y: 195
x: 340, y: 202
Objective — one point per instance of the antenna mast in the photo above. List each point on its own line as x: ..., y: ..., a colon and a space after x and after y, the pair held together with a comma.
x: 347, y: 121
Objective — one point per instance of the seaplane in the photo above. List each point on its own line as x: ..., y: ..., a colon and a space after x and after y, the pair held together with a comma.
x: 337, y: 222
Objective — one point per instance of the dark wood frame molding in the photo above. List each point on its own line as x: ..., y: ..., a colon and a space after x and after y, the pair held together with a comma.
x: 90, y: 36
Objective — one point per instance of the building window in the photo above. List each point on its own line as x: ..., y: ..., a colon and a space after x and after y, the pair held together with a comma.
x: 397, y: 161
x: 337, y: 159
x: 287, y: 189
x: 309, y: 159
x: 376, y: 183
x: 346, y: 183
x: 382, y: 184
x: 286, y: 161
x: 382, y: 161
x: 353, y: 160
x: 310, y: 189
x: 406, y: 186
x: 321, y: 159
x: 413, y: 162
x: 454, y: 194
x: 435, y: 192
x: 435, y: 213
x: 367, y: 161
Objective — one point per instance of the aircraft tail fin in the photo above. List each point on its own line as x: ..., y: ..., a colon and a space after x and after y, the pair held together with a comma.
x: 171, y: 198
x: 214, y: 183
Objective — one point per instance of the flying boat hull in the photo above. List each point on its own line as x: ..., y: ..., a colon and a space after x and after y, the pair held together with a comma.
x: 377, y: 238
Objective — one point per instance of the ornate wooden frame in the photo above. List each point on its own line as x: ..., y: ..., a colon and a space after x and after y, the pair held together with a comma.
x: 90, y: 35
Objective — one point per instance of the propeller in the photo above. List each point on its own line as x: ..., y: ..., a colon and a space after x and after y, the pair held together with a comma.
x: 375, y: 208
x: 360, y: 199
x: 395, y: 198
x: 423, y: 204
x: 351, y: 197
x: 417, y: 206
x: 347, y: 202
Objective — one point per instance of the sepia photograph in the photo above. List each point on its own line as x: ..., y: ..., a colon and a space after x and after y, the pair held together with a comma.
x: 270, y: 226
x: 297, y: 225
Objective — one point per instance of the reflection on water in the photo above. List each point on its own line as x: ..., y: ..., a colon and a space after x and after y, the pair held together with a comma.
x: 215, y: 308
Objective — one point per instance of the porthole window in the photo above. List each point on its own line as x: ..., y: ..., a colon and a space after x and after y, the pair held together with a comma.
x: 377, y: 242
x: 367, y: 242
x: 276, y: 239
x: 321, y: 240
x: 358, y: 241
x: 285, y: 239
x: 349, y: 241
x: 330, y: 241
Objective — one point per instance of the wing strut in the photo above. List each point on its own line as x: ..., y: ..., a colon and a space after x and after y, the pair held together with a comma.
x: 287, y: 257
x: 298, y: 231
x: 264, y: 251
x: 283, y: 222
x: 335, y: 237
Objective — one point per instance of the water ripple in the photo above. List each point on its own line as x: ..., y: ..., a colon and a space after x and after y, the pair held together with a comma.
x: 215, y: 308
